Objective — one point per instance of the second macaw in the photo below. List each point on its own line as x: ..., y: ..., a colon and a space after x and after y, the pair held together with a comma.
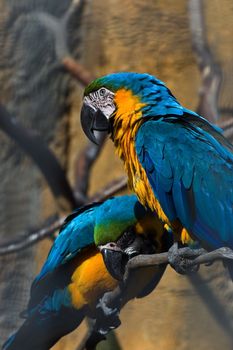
x: 178, y: 164
x: 75, y: 276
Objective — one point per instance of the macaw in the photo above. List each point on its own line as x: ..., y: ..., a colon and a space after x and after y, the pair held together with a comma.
x: 75, y: 277
x: 178, y: 164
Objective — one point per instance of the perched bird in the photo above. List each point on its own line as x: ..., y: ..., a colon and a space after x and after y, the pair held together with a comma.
x: 74, y: 276
x: 178, y: 164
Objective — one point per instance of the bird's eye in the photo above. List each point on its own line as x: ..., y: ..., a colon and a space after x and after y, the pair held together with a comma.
x: 102, y: 91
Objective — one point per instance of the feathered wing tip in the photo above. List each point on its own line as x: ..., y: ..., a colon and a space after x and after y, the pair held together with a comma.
x: 41, y: 332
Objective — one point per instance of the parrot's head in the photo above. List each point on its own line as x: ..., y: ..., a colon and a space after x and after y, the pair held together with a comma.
x: 124, y: 98
x: 123, y: 216
x: 123, y: 229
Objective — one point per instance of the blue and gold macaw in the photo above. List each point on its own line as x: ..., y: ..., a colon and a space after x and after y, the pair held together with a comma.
x: 178, y: 164
x: 74, y: 276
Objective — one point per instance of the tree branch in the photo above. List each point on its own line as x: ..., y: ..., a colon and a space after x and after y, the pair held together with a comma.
x: 77, y: 70
x: 210, y: 70
x: 33, y: 145
x: 83, y: 166
x: 90, y: 153
x: 110, y: 190
x: 58, y: 26
x: 48, y: 231
x: 28, y: 240
x: 193, y: 256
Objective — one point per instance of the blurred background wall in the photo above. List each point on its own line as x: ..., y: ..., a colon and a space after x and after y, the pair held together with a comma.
x: 154, y: 37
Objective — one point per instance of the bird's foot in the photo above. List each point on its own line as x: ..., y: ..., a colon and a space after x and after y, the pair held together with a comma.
x: 178, y: 260
x: 107, y: 317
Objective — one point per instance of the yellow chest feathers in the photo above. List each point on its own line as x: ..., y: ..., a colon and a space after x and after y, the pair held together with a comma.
x: 127, y: 120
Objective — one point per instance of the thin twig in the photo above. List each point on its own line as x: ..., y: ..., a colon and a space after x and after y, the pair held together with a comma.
x: 224, y: 253
x: 58, y: 26
x: 33, y: 145
x: 48, y: 231
x: 111, y: 189
x: 84, y: 164
x: 210, y: 70
x: 31, y: 239
x: 30, y: 141
x: 226, y: 124
x: 77, y: 70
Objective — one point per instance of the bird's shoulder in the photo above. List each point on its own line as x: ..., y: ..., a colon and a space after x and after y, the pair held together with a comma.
x: 188, y: 134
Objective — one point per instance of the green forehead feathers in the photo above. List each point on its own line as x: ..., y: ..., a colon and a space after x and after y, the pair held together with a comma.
x: 96, y: 85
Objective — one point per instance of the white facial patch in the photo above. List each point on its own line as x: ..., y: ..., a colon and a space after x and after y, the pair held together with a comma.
x: 102, y: 99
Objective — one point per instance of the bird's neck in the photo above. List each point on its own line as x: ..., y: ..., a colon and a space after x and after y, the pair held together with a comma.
x: 128, y: 112
x: 127, y: 120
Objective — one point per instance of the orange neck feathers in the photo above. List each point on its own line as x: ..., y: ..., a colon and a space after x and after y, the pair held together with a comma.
x: 127, y: 120
x: 126, y: 123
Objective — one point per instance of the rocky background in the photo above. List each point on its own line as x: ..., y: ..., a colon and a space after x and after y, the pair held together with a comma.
x: 187, y: 44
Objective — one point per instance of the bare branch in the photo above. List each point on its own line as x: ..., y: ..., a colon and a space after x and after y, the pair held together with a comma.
x: 224, y: 253
x: 226, y: 124
x: 194, y: 256
x: 210, y: 71
x: 48, y: 231
x: 115, y: 299
x: 34, y: 146
x: 90, y: 153
x: 31, y: 142
x: 59, y: 29
x: 84, y: 165
x: 31, y: 239
x: 77, y: 70
x: 58, y: 26
x: 110, y: 190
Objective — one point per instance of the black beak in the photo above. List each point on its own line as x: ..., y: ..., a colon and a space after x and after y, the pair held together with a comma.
x: 91, y: 120
x: 115, y: 260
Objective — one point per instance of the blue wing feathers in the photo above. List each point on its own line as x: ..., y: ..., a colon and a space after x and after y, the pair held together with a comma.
x: 182, y: 205
x: 46, y: 323
x: 74, y: 236
x: 191, y: 172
